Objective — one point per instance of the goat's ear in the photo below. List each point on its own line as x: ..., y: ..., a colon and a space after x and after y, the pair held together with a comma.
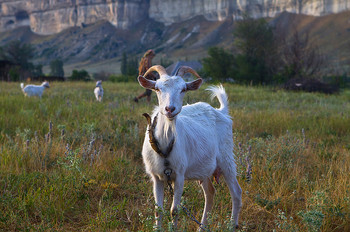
x: 145, y: 83
x: 194, y: 85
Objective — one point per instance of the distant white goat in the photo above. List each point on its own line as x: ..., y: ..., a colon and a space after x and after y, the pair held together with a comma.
x: 99, y: 91
x: 192, y: 142
x: 34, y: 90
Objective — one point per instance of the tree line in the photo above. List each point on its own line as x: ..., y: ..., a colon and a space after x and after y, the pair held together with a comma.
x: 16, y: 65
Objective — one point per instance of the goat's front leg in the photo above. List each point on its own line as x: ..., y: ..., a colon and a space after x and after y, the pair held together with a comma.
x: 158, y: 192
x: 178, y: 190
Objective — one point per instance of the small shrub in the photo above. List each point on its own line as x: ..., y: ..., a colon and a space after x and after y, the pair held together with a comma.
x: 310, y: 85
x: 14, y: 74
x: 79, y: 75
x: 121, y: 78
x: 312, y: 218
x: 285, y: 223
x: 341, y: 81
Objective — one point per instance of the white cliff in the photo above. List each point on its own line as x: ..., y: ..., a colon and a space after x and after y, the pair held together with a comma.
x: 172, y: 11
x: 53, y: 16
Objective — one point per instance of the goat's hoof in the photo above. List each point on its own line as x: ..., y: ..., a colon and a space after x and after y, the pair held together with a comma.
x: 136, y: 100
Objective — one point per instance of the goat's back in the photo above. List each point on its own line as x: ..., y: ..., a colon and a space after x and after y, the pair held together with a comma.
x: 215, y: 120
x: 33, y: 90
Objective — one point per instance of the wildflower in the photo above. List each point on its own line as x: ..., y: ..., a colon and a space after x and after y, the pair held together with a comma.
x: 109, y: 185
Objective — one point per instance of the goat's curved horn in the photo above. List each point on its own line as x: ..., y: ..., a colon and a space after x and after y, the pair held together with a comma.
x: 185, y: 69
x: 158, y: 68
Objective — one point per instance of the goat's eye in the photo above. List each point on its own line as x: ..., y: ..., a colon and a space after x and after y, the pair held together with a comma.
x: 156, y: 89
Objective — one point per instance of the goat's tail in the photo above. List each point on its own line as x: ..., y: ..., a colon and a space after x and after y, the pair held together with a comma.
x: 220, y: 93
x: 22, y: 86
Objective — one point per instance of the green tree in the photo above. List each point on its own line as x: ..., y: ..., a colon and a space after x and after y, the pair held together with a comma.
x: 56, y: 67
x: 14, y: 74
x: 254, y: 39
x: 128, y: 67
x: 132, y: 67
x: 19, y: 53
x: 79, y: 75
x: 37, y: 70
x: 220, y: 64
x: 124, y: 64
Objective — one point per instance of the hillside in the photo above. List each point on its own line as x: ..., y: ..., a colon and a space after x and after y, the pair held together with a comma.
x: 330, y: 32
x: 99, y: 46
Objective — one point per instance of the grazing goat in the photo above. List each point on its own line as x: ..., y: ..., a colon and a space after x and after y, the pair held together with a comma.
x: 99, y: 91
x: 34, y: 90
x: 192, y: 142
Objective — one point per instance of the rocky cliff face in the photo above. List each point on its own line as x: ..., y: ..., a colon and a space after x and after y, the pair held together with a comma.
x: 172, y: 11
x: 53, y: 16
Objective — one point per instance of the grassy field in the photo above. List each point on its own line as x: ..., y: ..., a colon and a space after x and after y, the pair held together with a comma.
x: 84, y: 171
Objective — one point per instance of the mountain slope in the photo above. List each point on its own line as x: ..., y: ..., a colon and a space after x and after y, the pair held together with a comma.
x: 101, y: 43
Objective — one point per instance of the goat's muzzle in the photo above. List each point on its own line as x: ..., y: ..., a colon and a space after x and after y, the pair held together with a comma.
x: 169, y: 109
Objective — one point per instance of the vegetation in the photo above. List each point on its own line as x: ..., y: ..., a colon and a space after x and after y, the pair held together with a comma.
x: 265, y: 55
x: 129, y: 67
x: 256, y: 44
x: 300, y: 58
x: 84, y: 171
x: 220, y: 65
x: 79, y: 75
x: 122, y: 78
x: 56, y: 67
x: 19, y: 55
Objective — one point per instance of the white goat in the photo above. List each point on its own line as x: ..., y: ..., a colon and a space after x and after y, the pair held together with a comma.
x: 99, y: 91
x: 34, y: 90
x: 195, y: 139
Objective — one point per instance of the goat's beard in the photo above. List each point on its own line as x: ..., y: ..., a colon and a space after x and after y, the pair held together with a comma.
x: 169, y: 128
x: 173, y: 117
x: 168, y: 124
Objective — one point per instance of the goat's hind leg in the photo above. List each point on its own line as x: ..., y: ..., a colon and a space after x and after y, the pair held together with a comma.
x: 235, y: 191
x: 209, y: 192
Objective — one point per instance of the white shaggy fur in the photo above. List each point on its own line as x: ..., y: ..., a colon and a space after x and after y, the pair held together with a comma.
x: 34, y: 90
x: 203, y: 144
x: 98, y: 91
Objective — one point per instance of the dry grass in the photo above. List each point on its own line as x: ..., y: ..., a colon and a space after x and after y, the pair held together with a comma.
x: 91, y: 178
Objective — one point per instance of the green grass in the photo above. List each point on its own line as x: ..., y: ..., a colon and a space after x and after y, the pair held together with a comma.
x: 91, y: 178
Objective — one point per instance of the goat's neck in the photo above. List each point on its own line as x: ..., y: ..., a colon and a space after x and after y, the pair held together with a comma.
x: 165, y: 129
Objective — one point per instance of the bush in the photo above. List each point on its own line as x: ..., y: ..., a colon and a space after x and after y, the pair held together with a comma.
x: 56, y: 67
x: 14, y: 74
x: 121, y: 78
x: 342, y: 81
x: 79, y: 75
x: 310, y: 85
x: 102, y: 75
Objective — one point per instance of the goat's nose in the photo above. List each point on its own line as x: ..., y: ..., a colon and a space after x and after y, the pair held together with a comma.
x: 170, y: 109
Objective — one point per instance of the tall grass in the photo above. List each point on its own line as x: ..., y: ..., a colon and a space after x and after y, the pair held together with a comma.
x: 85, y: 173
